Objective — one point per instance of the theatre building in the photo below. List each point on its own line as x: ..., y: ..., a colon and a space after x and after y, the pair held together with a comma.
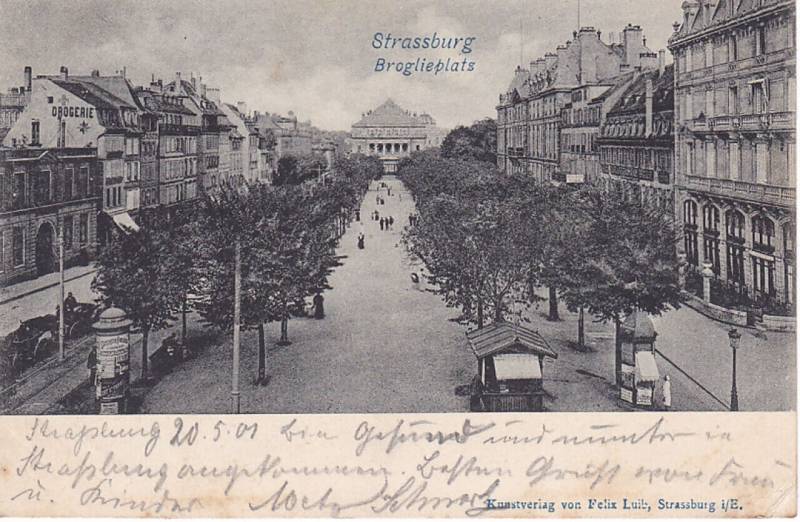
x: 735, y: 161
x: 44, y: 193
x: 392, y: 133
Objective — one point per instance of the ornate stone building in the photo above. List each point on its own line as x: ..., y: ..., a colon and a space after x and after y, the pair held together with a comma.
x: 529, y: 112
x: 392, y: 133
x: 735, y: 142
x: 635, y: 142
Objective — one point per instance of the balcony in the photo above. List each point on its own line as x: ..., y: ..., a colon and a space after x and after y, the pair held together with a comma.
x: 744, y: 190
x: 175, y: 129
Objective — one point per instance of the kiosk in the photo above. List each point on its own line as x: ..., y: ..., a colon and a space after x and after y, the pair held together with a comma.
x: 510, y: 367
x: 639, y: 375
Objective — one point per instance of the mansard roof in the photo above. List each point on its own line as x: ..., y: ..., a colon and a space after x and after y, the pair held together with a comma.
x: 633, y: 100
x: 721, y: 12
x: 92, y: 94
x: 389, y: 114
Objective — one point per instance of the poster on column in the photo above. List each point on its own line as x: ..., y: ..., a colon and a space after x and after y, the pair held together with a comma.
x: 446, y: 259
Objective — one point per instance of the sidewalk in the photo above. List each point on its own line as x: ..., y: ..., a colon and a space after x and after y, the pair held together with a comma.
x: 31, y: 286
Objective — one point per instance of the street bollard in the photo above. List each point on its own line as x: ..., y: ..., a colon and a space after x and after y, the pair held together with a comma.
x: 112, y: 333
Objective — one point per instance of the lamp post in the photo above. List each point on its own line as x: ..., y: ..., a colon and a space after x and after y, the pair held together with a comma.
x: 61, y: 354
x: 734, y: 336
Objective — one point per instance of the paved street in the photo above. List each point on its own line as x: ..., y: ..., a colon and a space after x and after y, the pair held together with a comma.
x: 33, y: 301
x: 383, y: 346
x: 766, y: 377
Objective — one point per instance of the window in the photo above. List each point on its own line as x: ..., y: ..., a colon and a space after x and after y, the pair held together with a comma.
x: 763, y: 277
x: 82, y: 184
x: 69, y: 182
x: 711, y: 236
x: 734, y: 51
x: 733, y: 100
x: 763, y: 230
x: 83, y: 229
x: 41, y: 187
x: 67, y: 232
x: 18, y: 246
x: 735, y: 251
x: 761, y: 40
x: 788, y: 263
x: 34, y: 133
x: 690, y: 231
x: 19, y: 195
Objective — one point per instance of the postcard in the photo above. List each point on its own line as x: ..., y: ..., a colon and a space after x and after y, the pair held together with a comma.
x: 398, y: 259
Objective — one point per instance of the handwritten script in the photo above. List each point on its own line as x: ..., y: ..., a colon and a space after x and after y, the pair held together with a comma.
x: 351, y: 465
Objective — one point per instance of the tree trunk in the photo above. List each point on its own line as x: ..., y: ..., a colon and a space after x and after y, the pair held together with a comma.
x: 617, y: 352
x: 480, y: 313
x: 581, y: 340
x: 145, y: 359
x: 553, y: 298
x: 285, y: 331
x: 498, y: 312
x: 262, y: 354
x: 184, y: 313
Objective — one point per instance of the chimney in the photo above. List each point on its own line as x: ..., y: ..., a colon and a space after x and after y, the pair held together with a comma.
x: 177, y: 81
x: 95, y: 73
x: 648, y: 61
x: 194, y: 82
x: 203, y: 90
x: 550, y: 59
x: 64, y: 72
x: 632, y: 40
x: 213, y: 94
x: 28, y: 78
x: 242, y: 108
x: 124, y: 71
x: 661, y: 61
x: 648, y: 105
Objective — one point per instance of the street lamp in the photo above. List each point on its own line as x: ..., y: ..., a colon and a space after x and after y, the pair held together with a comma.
x: 734, y: 337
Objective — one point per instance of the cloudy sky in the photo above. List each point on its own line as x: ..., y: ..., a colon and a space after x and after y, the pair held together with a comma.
x: 313, y: 57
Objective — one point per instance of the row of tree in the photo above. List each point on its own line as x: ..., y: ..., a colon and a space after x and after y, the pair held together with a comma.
x: 242, y: 256
x: 489, y: 240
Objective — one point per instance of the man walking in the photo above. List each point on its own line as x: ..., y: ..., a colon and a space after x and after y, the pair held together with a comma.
x: 382, y: 220
x: 391, y: 221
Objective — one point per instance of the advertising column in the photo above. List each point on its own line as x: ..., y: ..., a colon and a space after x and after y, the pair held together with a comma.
x: 112, y: 332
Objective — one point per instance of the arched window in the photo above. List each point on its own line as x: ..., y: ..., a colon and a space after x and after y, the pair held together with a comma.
x: 689, y: 212
x: 788, y: 263
x: 763, y: 231
x: 690, y: 231
x: 735, y: 224
x: 711, y: 236
x: 735, y: 252
x: 710, y: 218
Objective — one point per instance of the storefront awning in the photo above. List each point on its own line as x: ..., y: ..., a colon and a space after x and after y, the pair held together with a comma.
x: 646, y: 369
x: 509, y: 366
x: 125, y: 222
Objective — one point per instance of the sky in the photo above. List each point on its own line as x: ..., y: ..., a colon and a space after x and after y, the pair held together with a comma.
x: 315, y: 58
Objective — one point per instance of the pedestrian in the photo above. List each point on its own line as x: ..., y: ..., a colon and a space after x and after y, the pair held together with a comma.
x: 410, y: 219
x: 666, y: 391
x: 358, y: 215
x: 382, y: 221
x: 391, y: 221
x: 91, y: 365
x: 361, y: 241
x: 383, y: 202
x: 70, y: 303
x: 319, y: 310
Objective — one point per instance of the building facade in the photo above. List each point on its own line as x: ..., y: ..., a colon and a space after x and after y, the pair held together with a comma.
x: 78, y: 112
x: 529, y: 112
x: 735, y: 143
x: 46, y: 194
x: 636, y: 140
x: 392, y: 133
